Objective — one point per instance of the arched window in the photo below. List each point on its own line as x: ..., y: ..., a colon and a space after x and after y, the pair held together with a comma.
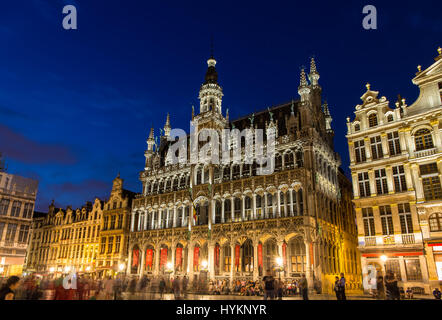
x: 217, y: 212
x: 271, y: 252
x: 435, y: 222
x: 227, y: 210
x: 278, y: 162
x: 227, y: 253
x: 247, y: 256
x: 423, y: 139
x: 297, y: 256
x: 372, y: 120
x: 226, y: 174
x: 288, y: 160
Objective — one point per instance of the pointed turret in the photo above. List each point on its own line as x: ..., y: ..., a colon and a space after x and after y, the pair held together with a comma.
x: 328, y: 118
x: 303, y: 88
x: 314, y: 75
x: 167, y: 127
x: 151, y: 140
x: 210, y: 92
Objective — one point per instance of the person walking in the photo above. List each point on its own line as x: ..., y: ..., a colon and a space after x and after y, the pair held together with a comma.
x: 185, y: 282
x: 269, y: 286
x: 392, y: 287
x: 7, y: 292
x: 162, y: 286
x: 342, y: 287
x: 108, y: 288
x: 304, y: 287
x: 176, y: 286
x: 337, y: 288
x: 380, y: 289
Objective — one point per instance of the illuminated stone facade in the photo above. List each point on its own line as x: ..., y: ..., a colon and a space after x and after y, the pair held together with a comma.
x: 65, y: 240
x: 243, y: 222
x: 17, y: 200
x: 396, y: 164
x: 114, y: 231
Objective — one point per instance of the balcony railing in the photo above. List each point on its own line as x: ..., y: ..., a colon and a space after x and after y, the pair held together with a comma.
x: 408, y: 239
x: 425, y: 153
x: 370, y: 241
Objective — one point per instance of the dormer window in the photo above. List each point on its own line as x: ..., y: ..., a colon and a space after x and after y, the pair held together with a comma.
x: 357, y: 127
x: 372, y: 120
x: 390, y: 118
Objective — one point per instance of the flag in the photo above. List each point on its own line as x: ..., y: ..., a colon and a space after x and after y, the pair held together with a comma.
x: 194, y: 213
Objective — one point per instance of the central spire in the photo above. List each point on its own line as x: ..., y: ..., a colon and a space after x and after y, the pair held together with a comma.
x: 210, y: 92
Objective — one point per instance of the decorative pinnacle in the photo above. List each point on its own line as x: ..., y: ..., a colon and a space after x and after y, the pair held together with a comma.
x: 326, y: 110
x: 368, y: 86
x: 303, y: 78
x: 151, y: 133
x: 313, y: 66
x: 419, y: 68
x: 168, y: 120
x: 439, y: 50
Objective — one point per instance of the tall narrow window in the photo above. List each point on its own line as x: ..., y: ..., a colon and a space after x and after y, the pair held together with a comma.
x: 376, y: 148
x: 372, y: 120
x: 110, y: 244
x: 394, y: 146
x: 386, y: 220
x: 431, y: 181
x: 117, y: 244
x: 16, y: 207
x: 381, y: 181
x: 360, y: 151
x: 423, y: 139
x: 4, y: 206
x: 364, y: 184
x: 368, y: 219
x: 435, y: 222
x: 405, y: 218
x: 400, y: 184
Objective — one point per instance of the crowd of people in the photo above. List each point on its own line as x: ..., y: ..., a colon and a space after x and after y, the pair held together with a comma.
x: 78, y: 287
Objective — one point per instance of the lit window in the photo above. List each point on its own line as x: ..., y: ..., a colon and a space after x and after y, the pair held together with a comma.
x: 372, y: 120
x: 435, y: 222
x: 423, y: 139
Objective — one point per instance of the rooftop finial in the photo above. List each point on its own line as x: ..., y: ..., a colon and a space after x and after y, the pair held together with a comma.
x: 211, y: 47
x: 439, y: 50
x: 368, y: 86
x: 303, y: 78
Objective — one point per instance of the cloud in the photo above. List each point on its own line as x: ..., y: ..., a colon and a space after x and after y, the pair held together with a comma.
x: 18, y: 147
x: 12, y: 113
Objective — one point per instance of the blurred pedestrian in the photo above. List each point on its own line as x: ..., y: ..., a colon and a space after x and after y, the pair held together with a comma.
x: 7, y: 292
x: 304, y: 287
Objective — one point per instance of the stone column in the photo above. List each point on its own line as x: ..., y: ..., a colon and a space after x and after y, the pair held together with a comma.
x: 132, y: 222
x: 384, y: 143
x: 285, y: 204
x: 255, y: 261
x: 211, y: 260
x: 173, y: 248
x: 280, y: 254
x: 232, y: 207
x: 213, y: 219
x: 174, y: 216
x: 266, y: 214
x: 157, y: 260
x: 190, y: 253
x: 145, y: 219
x: 129, y: 261
x: 254, y: 207
x: 291, y: 202
x: 243, y: 208
x: 390, y: 184
x: 143, y: 262
x: 222, y: 210
x: 373, y: 190
x: 183, y: 215
x: 232, y: 262
x: 153, y: 220
x: 308, y: 270
x: 417, y: 182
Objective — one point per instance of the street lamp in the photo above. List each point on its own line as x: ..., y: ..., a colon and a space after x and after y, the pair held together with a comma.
x: 204, y: 264
x: 51, y: 269
x: 88, y: 268
x: 121, y: 267
x: 384, y: 259
x: 67, y: 269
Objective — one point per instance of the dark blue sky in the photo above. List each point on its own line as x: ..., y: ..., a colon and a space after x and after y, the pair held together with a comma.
x: 76, y: 106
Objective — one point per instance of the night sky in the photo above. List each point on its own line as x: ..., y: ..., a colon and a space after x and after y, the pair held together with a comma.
x: 76, y: 106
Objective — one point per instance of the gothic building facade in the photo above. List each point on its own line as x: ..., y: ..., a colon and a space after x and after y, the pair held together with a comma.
x: 396, y: 164
x: 226, y: 221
